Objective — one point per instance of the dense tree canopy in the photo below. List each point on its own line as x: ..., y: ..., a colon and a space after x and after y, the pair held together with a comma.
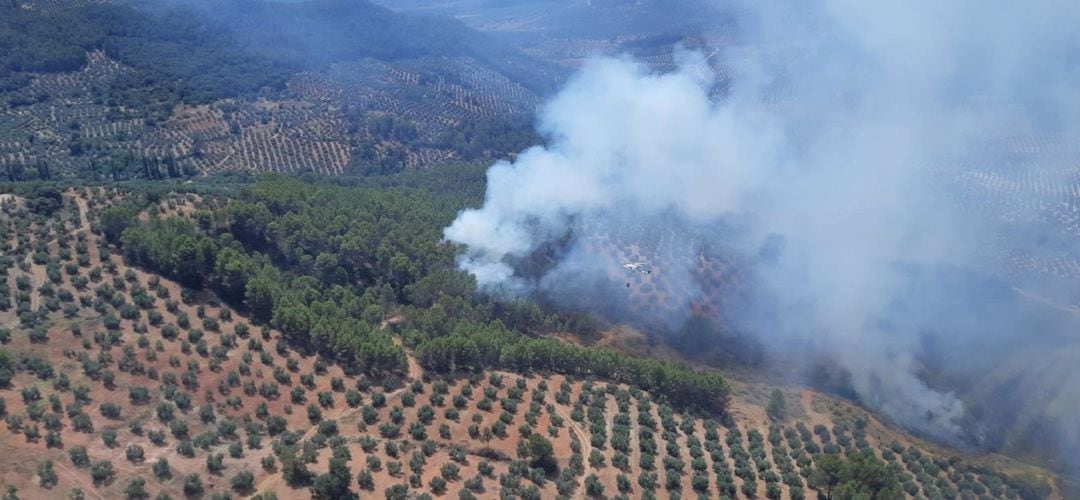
x: 859, y: 476
x: 328, y: 264
x: 201, y: 59
x: 202, y: 50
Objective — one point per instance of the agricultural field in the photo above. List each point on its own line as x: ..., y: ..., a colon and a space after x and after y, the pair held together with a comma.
x: 174, y: 326
x: 57, y: 126
x: 118, y: 382
x: 115, y: 113
x: 679, y: 277
x: 124, y: 109
x: 1033, y: 199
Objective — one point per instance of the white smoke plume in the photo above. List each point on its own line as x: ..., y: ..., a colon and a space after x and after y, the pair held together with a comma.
x: 829, y: 134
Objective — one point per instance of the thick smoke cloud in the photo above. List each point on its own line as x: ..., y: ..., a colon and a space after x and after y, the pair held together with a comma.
x: 831, y: 134
x: 621, y: 140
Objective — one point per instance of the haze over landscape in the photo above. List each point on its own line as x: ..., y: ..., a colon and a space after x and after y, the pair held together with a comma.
x: 847, y: 173
x: 817, y: 248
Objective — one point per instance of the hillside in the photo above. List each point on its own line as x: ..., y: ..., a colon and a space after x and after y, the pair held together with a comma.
x: 538, y: 249
x: 123, y: 382
x: 147, y: 89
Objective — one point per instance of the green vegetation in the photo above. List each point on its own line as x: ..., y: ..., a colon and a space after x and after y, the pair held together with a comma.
x: 185, y: 57
x: 202, y: 51
x: 862, y: 475
x: 326, y: 264
x: 777, y: 408
x: 129, y: 68
x: 304, y: 274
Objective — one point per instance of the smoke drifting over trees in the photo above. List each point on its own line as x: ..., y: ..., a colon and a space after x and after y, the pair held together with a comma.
x: 831, y: 137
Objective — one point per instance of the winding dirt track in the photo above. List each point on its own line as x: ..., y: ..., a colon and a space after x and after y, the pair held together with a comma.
x: 415, y: 371
x: 586, y: 445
